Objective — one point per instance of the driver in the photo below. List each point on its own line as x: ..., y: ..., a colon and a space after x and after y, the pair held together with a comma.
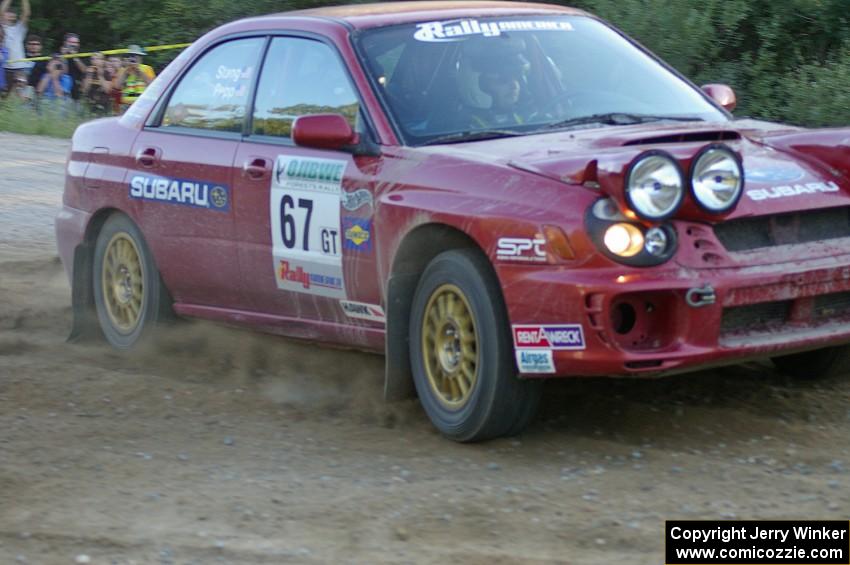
x: 502, y: 78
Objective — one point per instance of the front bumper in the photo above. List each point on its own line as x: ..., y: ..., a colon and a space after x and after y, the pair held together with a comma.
x: 638, y: 321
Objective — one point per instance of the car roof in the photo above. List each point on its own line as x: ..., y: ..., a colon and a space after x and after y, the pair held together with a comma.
x: 362, y: 16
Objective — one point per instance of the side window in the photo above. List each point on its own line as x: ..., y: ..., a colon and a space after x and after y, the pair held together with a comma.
x: 301, y: 77
x: 213, y: 95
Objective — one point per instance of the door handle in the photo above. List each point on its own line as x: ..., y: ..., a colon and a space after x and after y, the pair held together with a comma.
x: 256, y: 168
x: 148, y: 157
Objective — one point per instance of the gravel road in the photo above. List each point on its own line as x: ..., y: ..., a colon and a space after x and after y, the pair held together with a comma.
x: 223, y: 446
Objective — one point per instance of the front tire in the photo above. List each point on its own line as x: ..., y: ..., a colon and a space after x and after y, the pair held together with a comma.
x: 818, y: 364
x: 129, y: 296
x: 462, y: 353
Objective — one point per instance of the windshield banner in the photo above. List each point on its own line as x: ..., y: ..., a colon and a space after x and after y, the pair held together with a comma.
x: 458, y: 30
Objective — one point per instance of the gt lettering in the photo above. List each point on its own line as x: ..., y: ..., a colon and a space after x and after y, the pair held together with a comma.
x: 329, y: 238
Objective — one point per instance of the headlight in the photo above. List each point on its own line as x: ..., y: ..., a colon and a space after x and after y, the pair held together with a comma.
x: 717, y: 179
x: 654, y: 186
x: 625, y: 240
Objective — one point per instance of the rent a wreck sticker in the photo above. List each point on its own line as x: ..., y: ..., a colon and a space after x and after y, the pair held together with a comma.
x: 305, y: 223
x: 549, y: 336
x: 458, y: 30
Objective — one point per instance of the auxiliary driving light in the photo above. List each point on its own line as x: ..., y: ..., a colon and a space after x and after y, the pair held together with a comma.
x: 625, y: 240
x: 656, y: 242
x: 654, y: 186
x: 717, y: 179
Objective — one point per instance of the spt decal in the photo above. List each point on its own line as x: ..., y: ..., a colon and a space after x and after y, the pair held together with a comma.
x: 358, y: 234
x: 549, y: 336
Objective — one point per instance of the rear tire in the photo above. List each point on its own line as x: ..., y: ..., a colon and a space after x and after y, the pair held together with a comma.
x: 818, y: 364
x: 129, y: 296
x: 462, y: 353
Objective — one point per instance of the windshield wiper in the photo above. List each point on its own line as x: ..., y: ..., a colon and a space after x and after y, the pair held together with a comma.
x: 472, y: 135
x: 620, y: 119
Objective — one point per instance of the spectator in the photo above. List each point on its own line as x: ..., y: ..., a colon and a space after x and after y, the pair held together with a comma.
x: 15, y: 30
x: 56, y: 84
x: 4, y: 56
x: 38, y: 68
x: 21, y: 88
x: 76, y: 67
x: 134, y: 77
x: 97, y: 86
x: 114, y: 64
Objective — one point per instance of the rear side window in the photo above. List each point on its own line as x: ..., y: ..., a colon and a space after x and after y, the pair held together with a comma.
x: 300, y: 77
x: 213, y: 95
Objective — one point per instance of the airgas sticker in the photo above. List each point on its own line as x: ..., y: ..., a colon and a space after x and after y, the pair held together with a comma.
x: 305, y: 222
x: 549, y: 336
x: 358, y: 234
x: 363, y: 311
x: 198, y: 194
x: 531, y: 361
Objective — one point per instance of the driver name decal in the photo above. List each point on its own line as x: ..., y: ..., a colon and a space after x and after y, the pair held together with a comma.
x: 458, y: 30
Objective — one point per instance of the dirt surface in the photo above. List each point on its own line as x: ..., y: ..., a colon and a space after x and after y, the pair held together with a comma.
x: 224, y: 446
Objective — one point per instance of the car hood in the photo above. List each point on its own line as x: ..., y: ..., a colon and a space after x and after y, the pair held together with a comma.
x: 786, y: 168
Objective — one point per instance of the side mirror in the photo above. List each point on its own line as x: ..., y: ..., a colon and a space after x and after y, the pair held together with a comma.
x: 323, y: 131
x: 722, y: 94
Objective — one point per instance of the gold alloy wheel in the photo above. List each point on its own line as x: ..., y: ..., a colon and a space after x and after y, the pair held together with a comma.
x: 122, y: 279
x: 450, y: 346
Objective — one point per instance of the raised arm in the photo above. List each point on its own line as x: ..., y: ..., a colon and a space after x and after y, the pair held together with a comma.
x: 25, y: 12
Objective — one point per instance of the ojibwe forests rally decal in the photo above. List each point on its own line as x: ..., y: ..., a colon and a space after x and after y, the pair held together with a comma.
x: 306, y: 238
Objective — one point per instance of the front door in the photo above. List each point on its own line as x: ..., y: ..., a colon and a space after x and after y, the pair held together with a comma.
x: 304, y: 220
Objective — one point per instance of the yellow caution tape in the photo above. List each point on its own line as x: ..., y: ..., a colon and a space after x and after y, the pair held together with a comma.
x: 107, y: 52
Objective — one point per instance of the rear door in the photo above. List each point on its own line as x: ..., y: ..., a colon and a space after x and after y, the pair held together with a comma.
x: 304, y: 220
x: 183, y: 175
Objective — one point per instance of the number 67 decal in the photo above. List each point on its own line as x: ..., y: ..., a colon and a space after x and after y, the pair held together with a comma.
x: 287, y: 222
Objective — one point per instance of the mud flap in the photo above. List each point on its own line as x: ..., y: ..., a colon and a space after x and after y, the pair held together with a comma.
x: 398, y: 380
x: 84, y: 325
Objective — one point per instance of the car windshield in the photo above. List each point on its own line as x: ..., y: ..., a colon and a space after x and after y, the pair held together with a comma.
x: 461, y: 80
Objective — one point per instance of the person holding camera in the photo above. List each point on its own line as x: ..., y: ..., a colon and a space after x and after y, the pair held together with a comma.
x: 97, y: 85
x: 134, y: 77
x: 56, y: 85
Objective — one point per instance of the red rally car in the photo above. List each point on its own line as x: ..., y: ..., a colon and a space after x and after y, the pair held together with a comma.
x: 490, y: 193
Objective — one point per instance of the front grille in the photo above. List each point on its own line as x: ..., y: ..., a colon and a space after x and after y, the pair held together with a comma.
x: 746, y: 234
x: 832, y: 305
x: 755, y: 316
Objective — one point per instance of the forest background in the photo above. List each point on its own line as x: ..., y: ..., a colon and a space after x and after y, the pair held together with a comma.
x: 788, y: 60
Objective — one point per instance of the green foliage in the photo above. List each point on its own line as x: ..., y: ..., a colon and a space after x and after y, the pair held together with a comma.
x: 51, y: 120
x: 788, y: 60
